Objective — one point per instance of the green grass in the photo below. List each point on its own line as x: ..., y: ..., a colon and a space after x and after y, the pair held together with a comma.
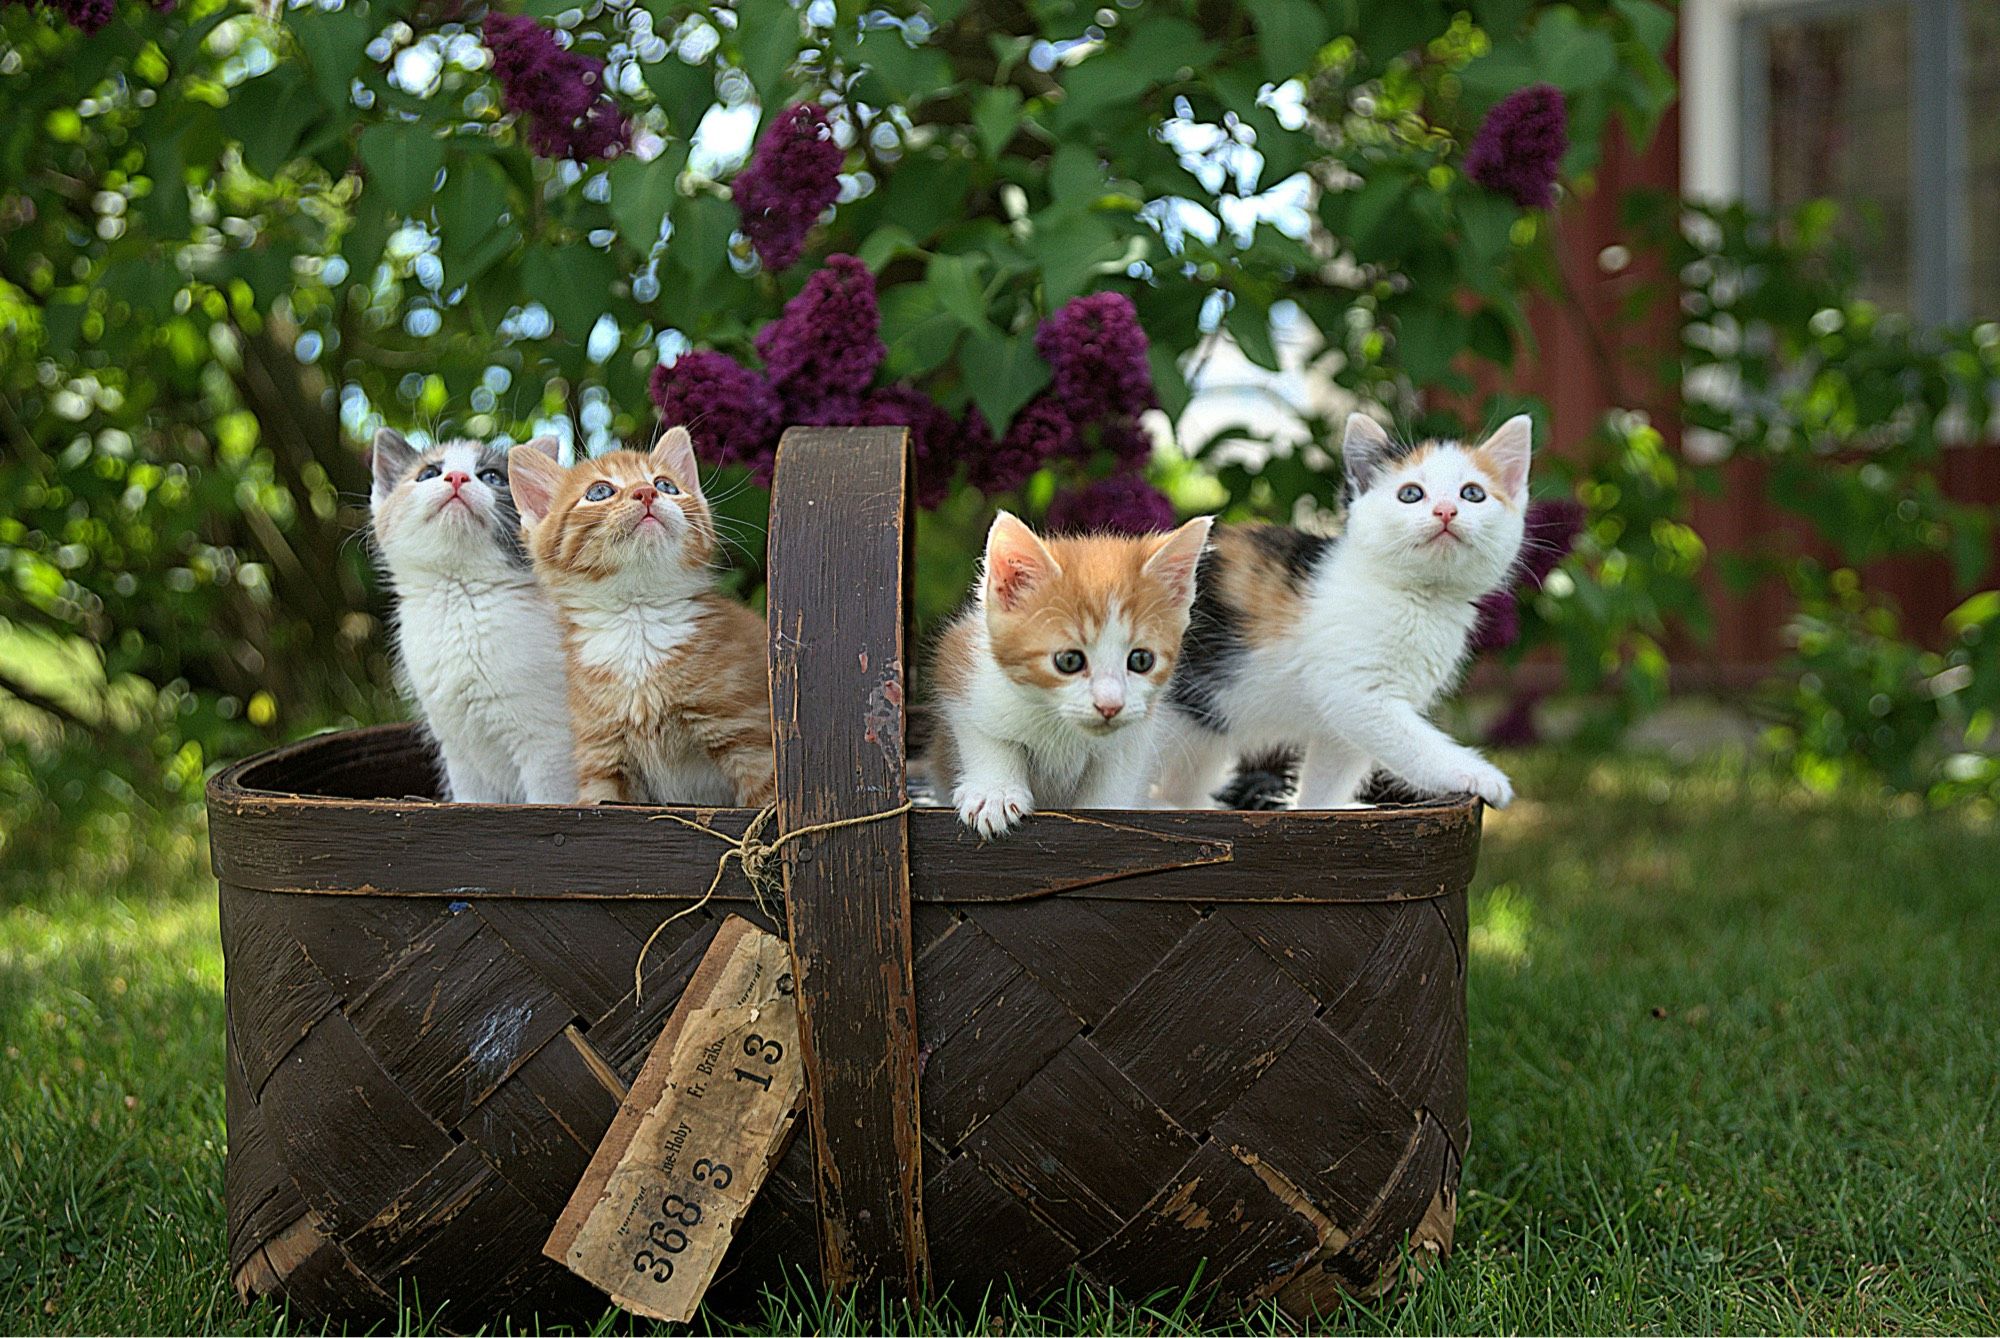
x: 1734, y: 1056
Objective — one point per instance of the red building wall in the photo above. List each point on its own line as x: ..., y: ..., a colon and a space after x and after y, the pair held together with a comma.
x: 1590, y: 356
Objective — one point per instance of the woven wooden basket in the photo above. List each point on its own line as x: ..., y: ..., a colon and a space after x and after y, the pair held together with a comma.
x: 1149, y: 1046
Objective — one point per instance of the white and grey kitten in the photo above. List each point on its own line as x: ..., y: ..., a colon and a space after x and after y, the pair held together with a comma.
x: 478, y: 645
x: 1342, y: 646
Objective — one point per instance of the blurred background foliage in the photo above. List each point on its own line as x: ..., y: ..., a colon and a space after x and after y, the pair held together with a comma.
x: 233, y: 241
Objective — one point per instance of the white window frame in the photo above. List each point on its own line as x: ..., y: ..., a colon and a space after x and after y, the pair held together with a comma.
x: 1725, y: 111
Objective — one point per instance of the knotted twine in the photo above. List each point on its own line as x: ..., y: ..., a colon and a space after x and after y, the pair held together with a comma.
x: 758, y: 857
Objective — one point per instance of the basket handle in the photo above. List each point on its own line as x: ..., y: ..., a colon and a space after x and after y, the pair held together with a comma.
x: 839, y: 549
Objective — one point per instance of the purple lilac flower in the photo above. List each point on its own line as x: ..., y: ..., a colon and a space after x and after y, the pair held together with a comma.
x: 1520, y: 145
x: 730, y: 410
x: 827, y: 343
x: 1499, y: 624
x: 1120, y: 504
x: 86, y: 15
x: 933, y: 435
x: 1515, y: 727
x: 1553, y: 527
x: 1128, y: 443
x: 1040, y: 432
x: 557, y: 94
x: 1098, y: 351
x: 792, y: 177
x: 1552, y: 530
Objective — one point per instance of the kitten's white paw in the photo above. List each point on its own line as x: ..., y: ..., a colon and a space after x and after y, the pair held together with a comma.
x: 1489, y: 783
x: 991, y: 811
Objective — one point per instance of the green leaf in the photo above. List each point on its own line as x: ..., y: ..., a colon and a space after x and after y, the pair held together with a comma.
x: 996, y: 114
x: 1571, y: 56
x: 685, y: 92
x: 925, y: 192
x: 1168, y: 383
x: 1249, y: 324
x: 958, y: 288
x: 643, y: 194
x: 1427, y: 339
x: 166, y: 206
x: 273, y: 114
x: 1372, y: 206
x: 920, y: 338
x: 334, y: 41
x: 1069, y: 245
x: 699, y: 246
x: 896, y: 71
x: 403, y: 160
x: 767, y: 41
x: 1652, y: 23
x: 1004, y: 373
x: 573, y: 282
x: 885, y: 244
x: 1289, y: 34
x: 1486, y: 220
x: 470, y: 209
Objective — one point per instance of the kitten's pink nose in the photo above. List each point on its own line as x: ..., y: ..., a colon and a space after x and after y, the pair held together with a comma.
x: 457, y: 479
x: 1444, y: 511
x: 1110, y: 710
x: 644, y: 494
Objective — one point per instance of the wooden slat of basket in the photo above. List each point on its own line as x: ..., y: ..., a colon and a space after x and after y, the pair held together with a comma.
x: 837, y: 707
x: 350, y: 847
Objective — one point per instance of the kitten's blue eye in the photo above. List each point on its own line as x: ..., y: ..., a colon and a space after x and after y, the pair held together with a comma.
x: 667, y: 486
x: 1472, y: 492
x: 427, y: 473
x: 1409, y: 492
x: 1140, y: 661
x: 1069, y: 661
x: 598, y: 491
x: 492, y: 478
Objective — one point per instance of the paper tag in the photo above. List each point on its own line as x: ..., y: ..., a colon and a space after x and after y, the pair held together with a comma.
x: 696, y: 1136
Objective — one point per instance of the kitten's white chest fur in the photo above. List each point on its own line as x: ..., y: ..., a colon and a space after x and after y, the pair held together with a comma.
x: 629, y: 640
x: 629, y: 627
x: 484, y: 661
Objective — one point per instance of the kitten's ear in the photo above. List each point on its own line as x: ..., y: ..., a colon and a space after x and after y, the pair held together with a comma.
x: 548, y: 446
x: 1174, y: 562
x: 1016, y: 562
x: 1363, y: 449
x: 389, y: 458
x: 1505, y: 453
x: 674, y: 452
x: 532, y: 477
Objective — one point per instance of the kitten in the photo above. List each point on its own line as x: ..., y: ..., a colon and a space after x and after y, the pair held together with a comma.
x: 1342, y: 646
x: 477, y: 642
x: 1048, y: 682
x: 667, y: 677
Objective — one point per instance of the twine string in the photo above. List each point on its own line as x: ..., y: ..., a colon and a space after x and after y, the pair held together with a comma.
x: 757, y: 857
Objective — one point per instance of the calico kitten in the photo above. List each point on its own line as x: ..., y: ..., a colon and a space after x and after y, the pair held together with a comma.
x: 1047, y: 683
x: 667, y: 680
x: 1342, y: 646
x: 477, y: 641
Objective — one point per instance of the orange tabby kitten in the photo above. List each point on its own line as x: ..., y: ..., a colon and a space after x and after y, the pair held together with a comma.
x: 668, y: 691
x: 1047, y: 685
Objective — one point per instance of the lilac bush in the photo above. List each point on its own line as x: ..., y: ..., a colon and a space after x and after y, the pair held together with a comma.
x: 1553, y: 527
x: 827, y: 343
x: 1520, y: 145
x: 557, y: 94
x: 1097, y: 352
x: 1123, y: 503
x: 793, y: 176
x: 730, y: 411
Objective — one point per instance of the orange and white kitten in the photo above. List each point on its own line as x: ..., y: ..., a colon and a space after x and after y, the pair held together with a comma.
x: 1047, y: 683
x: 668, y: 692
